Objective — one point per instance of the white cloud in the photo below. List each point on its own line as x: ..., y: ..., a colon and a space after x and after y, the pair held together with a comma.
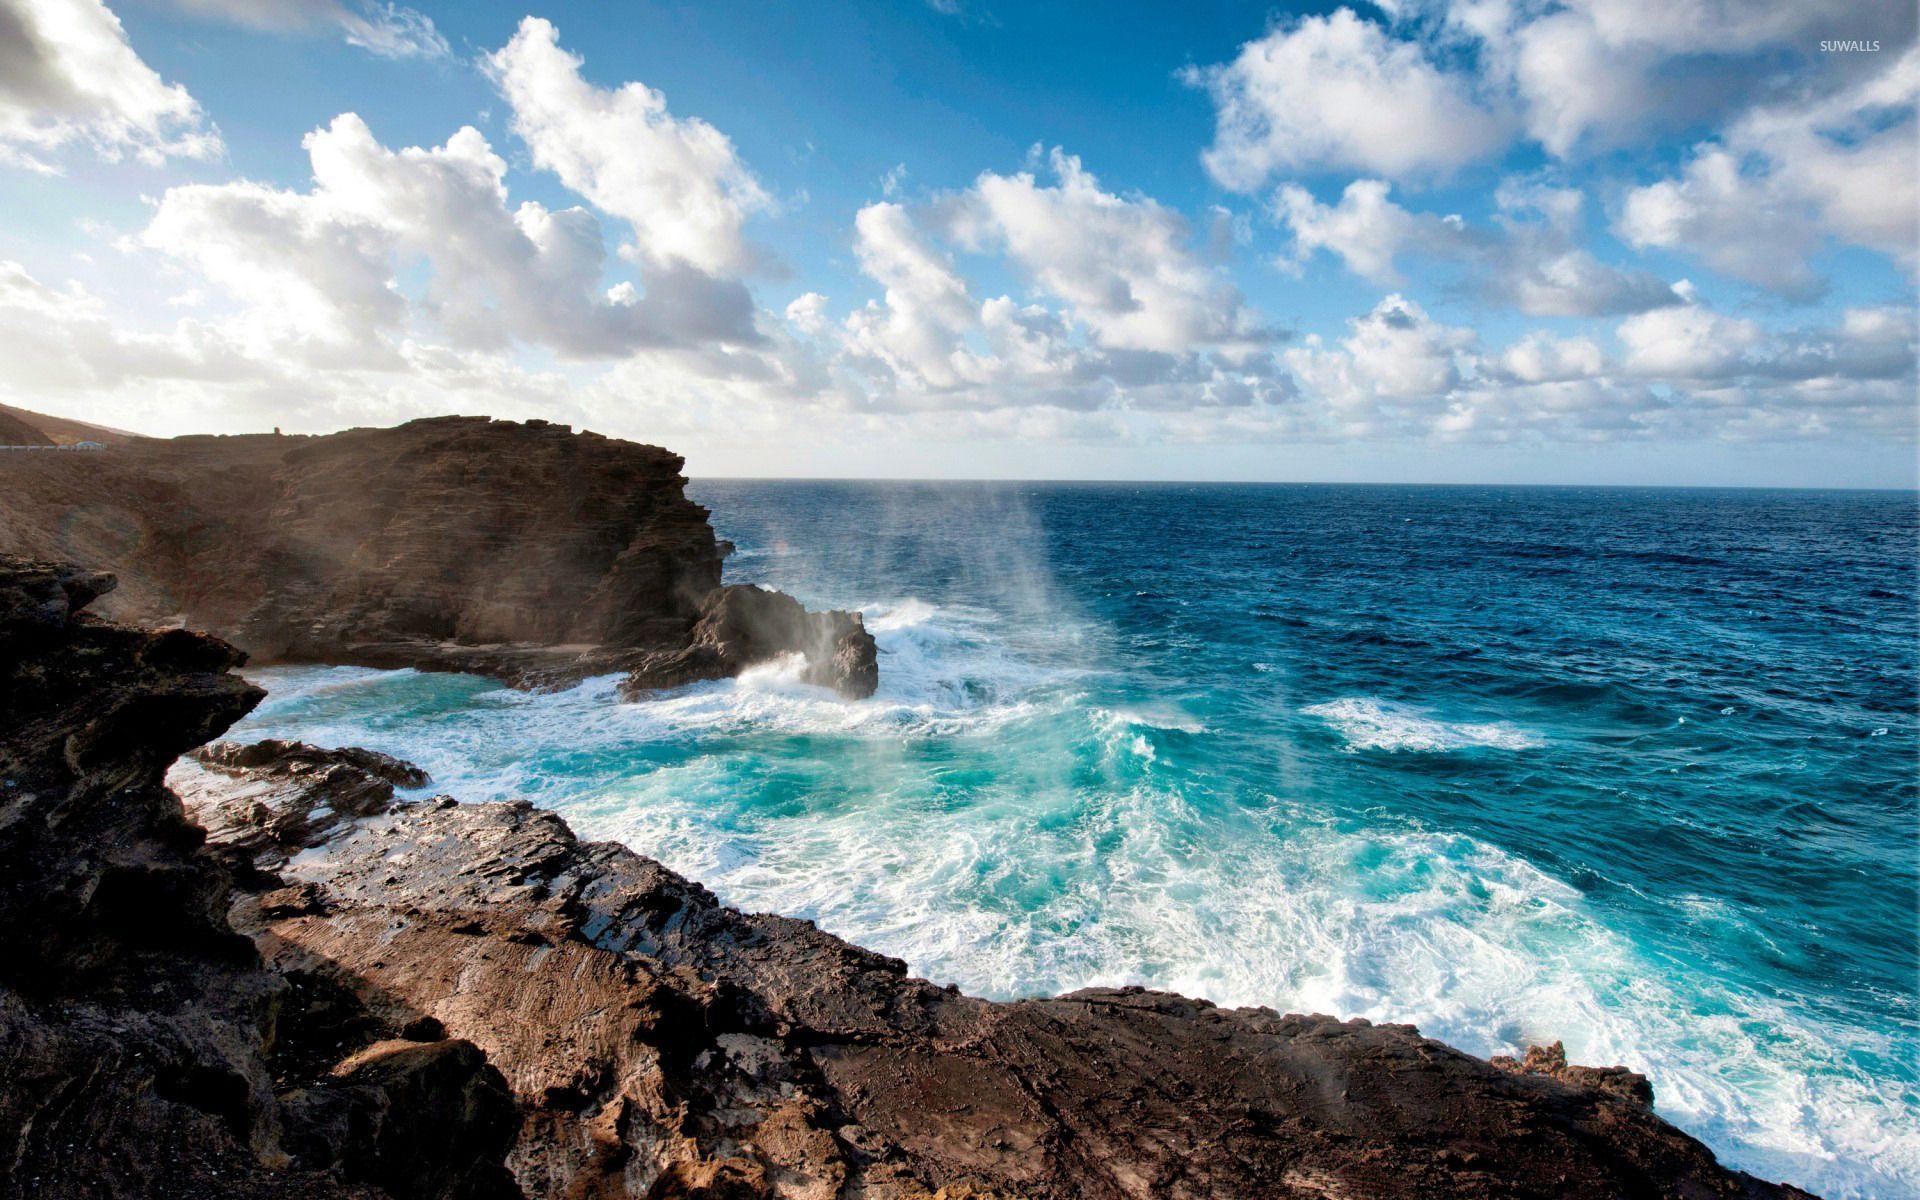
x: 1756, y: 204
x: 318, y: 269
x: 1338, y: 92
x: 1124, y: 266
x: 807, y: 312
x: 64, y: 339
x: 1593, y: 74
x: 1526, y: 263
x: 918, y: 329
x: 1392, y: 374
x: 1683, y: 372
x: 1543, y: 358
x: 1542, y: 277
x: 1366, y: 229
x: 1137, y: 321
x: 68, y: 76
x: 385, y: 30
x: 675, y: 180
x: 1740, y: 225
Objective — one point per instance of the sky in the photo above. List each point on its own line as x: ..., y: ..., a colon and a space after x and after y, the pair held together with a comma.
x: 1544, y: 241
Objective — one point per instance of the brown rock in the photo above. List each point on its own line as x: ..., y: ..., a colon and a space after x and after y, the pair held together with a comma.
x: 465, y: 1002
x: 519, y: 550
x: 1551, y: 1061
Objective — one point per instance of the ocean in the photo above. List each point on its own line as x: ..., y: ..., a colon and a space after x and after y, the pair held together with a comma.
x: 1632, y: 769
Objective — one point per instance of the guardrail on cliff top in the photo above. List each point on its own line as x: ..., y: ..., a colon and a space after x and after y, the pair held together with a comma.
x: 80, y: 446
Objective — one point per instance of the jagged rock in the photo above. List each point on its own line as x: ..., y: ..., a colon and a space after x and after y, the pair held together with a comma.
x: 662, y: 1044
x: 422, y: 1120
x: 290, y: 793
x: 743, y: 625
x: 519, y: 550
x: 1551, y: 1061
x: 137, y: 1028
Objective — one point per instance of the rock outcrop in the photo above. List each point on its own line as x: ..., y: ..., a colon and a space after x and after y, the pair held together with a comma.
x: 146, y: 1050
x: 743, y: 625
x: 661, y: 1044
x: 524, y: 551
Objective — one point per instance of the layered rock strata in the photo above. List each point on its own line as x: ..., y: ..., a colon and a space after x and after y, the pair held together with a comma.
x: 524, y: 551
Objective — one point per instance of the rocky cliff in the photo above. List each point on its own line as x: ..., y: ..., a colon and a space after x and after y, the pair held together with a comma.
x: 146, y: 1049
x: 525, y: 551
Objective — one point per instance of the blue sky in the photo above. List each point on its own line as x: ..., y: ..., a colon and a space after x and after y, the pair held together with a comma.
x: 1633, y: 241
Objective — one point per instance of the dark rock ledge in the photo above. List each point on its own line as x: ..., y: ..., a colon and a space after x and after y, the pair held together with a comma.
x: 350, y: 993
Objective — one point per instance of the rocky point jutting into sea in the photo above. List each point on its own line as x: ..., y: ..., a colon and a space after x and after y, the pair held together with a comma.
x: 523, y: 551
x: 275, y: 969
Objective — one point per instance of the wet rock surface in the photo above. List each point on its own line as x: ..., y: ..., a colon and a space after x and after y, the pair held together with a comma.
x: 660, y: 1043
x: 524, y: 551
x: 743, y: 625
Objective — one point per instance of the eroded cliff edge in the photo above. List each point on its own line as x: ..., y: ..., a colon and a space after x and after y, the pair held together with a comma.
x: 146, y: 1049
x: 520, y: 550
x: 441, y: 999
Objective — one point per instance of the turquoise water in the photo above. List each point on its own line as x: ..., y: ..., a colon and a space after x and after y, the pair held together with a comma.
x: 1631, y: 769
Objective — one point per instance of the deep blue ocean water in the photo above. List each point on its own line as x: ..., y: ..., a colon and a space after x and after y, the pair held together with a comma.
x: 1632, y: 769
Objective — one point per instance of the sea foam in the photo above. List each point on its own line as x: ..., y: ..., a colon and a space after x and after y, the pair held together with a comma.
x: 1370, y: 724
x: 988, y: 819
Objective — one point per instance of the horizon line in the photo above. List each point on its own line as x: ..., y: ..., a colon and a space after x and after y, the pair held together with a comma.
x: 1913, y: 488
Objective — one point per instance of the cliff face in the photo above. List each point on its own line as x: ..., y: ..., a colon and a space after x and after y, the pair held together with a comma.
x: 524, y: 551
x: 143, y: 1043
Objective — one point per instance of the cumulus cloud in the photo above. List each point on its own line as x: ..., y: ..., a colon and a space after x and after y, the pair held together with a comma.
x: 1396, y: 370
x: 385, y: 30
x: 1339, y: 92
x: 1124, y: 312
x: 676, y: 181
x: 1529, y: 260
x: 1682, y: 371
x: 1366, y: 229
x: 66, y: 339
x: 1593, y: 74
x: 68, y: 76
x: 318, y: 269
x: 1757, y: 203
x: 918, y: 327
x: 1447, y: 82
x: 1124, y: 266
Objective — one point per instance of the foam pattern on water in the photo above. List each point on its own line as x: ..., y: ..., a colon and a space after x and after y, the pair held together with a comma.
x: 1370, y: 724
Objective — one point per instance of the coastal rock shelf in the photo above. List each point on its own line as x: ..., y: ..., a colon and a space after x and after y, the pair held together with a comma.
x: 525, y: 551
x: 661, y: 1043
